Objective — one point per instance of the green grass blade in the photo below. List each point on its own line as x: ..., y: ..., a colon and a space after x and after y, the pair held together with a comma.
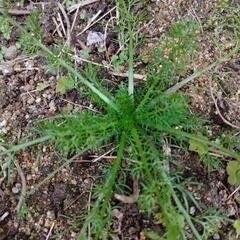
x: 203, y: 141
x: 130, y: 65
x: 201, y: 71
x: 25, y: 145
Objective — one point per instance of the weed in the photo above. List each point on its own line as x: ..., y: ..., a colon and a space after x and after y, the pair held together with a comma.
x: 34, y: 31
x: 137, y: 121
x: 2, y: 52
x: 5, y: 25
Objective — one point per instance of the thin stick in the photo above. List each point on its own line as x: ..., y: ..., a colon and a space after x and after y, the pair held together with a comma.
x: 217, y: 108
x: 81, y: 4
x: 68, y: 42
x: 73, y: 201
x: 89, y: 208
x: 236, y: 190
x: 79, y: 59
x: 50, y: 231
x: 61, y: 22
x: 57, y: 28
x: 24, y: 186
x: 75, y: 18
x: 91, y: 22
x: 103, y: 155
x: 104, y: 15
x: 16, y: 12
x: 81, y: 106
x: 126, y: 75
x: 105, y: 31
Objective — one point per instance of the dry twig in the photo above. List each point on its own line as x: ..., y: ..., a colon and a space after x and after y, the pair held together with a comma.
x: 81, y: 4
x: 93, y: 23
x: 15, y: 12
x: 217, y: 108
x: 24, y: 186
x: 68, y: 33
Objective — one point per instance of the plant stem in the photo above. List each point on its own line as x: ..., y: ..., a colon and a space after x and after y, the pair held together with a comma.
x: 24, y: 145
x: 201, y: 71
x: 203, y: 141
x: 130, y: 66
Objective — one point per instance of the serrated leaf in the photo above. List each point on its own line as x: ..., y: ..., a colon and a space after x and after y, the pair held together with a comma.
x: 233, y: 170
x: 198, y: 147
x: 84, y: 54
x: 64, y: 84
x: 40, y: 86
x: 236, y: 225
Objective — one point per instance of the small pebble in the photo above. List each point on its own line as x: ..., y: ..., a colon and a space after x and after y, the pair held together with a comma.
x: 28, y: 88
x: 6, y: 69
x: 52, y: 106
x: 51, y: 215
x: 3, y: 123
x: 216, y: 236
x: 11, y: 53
x: 192, y: 210
x: 29, y: 177
x: 15, y: 190
x: 38, y: 100
x: 74, y: 182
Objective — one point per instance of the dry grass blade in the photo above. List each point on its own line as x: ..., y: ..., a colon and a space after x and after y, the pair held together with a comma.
x: 68, y: 33
x: 24, y: 186
x: 15, y: 12
x: 217, y: 108
x: 81, y: 4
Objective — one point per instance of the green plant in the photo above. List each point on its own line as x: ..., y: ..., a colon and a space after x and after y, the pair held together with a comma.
x: 2, y: 52
x: 233, y: 170
x: 64, y: 84
x: 5, y: 25
x: 33, y: 31
x: 136, y: 121
x: 237, y: 227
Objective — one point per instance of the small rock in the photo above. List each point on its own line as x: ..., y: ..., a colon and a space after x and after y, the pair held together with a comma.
x: 51, y: 215
x: 30, y: 101
x: 47, y: 223
x: 73, y: 234
x: 216, y: 236
x: 11, y: 53
x: 15, y: 190
x: 95, y: 38
x: 3, y: 123
x: 29, y: 177
x: 52, y: 106
x: 192, y: 210
x: 74, y: 182
x: 38, y: 100
x: 4, y: 216
x: 28, y: 88
x: 6, y: 69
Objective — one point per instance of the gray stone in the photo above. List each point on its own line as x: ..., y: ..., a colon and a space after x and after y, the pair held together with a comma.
x: 11, y: 53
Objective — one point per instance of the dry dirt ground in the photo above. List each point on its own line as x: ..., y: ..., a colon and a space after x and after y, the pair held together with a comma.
x: 55, y: 208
